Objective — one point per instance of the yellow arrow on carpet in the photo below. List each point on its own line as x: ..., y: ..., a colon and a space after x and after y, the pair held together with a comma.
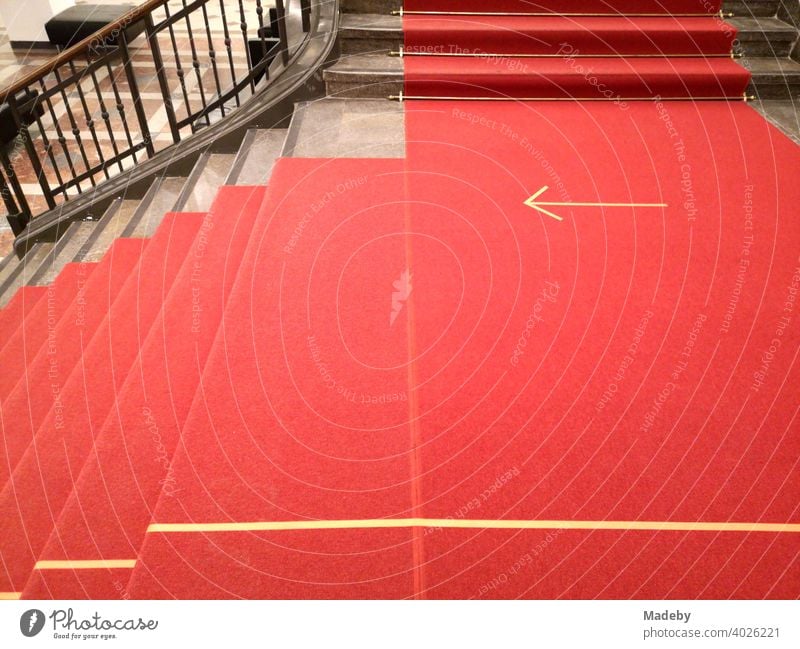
x: 540, y: 205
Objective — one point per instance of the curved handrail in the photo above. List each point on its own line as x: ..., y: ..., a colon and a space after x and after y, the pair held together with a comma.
x: 73, y: 132
x: 63, y: 57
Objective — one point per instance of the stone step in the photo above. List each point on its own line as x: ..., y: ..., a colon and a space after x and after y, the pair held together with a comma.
x: 737, y: 7
x: 370, y: 6
x: 109, y: 227
x: 207, y: 176
x: 351, y: 128
x: 8, y: 267
x: 751, y: 7
x: 161, y: 198
x: 773, y: 78
x: 371, y: 75
x: 370, y: 33
x: 24, y: 271
x: 380, y: 33
x: 763, y: 36
x: 259, y: 150
x: 64, y: 251
x: 365, y: 75
x: 783, y: 114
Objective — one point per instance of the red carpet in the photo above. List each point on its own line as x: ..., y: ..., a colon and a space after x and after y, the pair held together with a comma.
x: 40, y: 317
x: 595, y: 79
x: 44, y: 476
x: 598, y: 57
x: 550, y: 353
x: 111, y: 505
x: 18, y: 308
x: 291, y: 418
x: 568, y: 6
x: 38, y: 372
x: 562, y: 35
x: 591, y: 369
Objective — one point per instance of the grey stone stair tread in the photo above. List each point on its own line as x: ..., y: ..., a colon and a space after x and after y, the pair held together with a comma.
x: 110, y: 227
x: 750, y: 27
x: 8, y: 267
x: 364, y: 64
x: 370, y: 25
x: 64, y: 251
x: 27, y: 268
x: 783, y: 113
x: 365, y: 75
x: 370, y: 6
x: 160, y: 199
x: 207, y: 177
x: 751, y: 7
x: 259, y: 150
x: 761, y: 66
x: 756, y: 7
x: 352, y: 128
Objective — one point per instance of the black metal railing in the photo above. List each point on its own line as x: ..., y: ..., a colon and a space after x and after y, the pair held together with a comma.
x: 140, y: 85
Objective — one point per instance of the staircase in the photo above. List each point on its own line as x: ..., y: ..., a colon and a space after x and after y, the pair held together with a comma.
x: 369, y: 33
x: 113, y: 325
x: 88, y: 241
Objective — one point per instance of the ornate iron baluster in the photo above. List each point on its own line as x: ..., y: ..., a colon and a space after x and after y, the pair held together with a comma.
x: 212, y: 55
x: 261, y: 32
x: 104, y: 115
x: 89, y: 121
x: 283, y: 35
x: 33, y: 156
x: 243, y: 27
x: 76, y: 132
x: 305, y: 11
x: 48, y: 148
x: 59, y: 133
x: 119, y: 105
x: 228, y: 48
x: 155, y: 51
x: 133, y: 86
x: 196, y: 65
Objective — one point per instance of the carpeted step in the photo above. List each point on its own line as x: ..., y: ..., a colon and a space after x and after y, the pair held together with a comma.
x: 37, y: 332
x: 584, y: 78
x: 568, y: 6
x: 116, y: 492
x: 17, y: 310
x: 43, y: 478
x: 553, y: 35
x: 24, y: 270
x: 588, y: 381
x: 253, y: 448
x: 433, y: 346
x: 38, y: 383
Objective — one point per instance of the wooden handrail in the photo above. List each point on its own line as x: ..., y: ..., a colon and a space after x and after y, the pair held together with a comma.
x: 123, y: 22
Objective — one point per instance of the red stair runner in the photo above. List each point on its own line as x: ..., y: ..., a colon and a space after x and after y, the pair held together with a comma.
x: 42, y: 317
x: 18, y: 308
x: 563, y: 35
x: 44, y: 477
x: 552, y: 352
x: 599, y: 57
x: 39, y: 382
x: 427, y: 346
x: 593, y: 79
x: 111, y: 505
x: 568, y: 6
